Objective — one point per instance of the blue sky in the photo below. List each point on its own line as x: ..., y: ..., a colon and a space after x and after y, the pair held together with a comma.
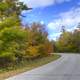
x: 54, y: 14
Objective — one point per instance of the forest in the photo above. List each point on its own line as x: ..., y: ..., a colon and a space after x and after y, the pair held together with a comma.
x: 68, y: 41
x: 19, y: 43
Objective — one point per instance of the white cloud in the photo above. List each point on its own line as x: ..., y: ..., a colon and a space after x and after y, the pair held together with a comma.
x: 54, y: 36
x: 68, y: 19
x: 54, y: 25
x: 42, y: 3
x: 42, y: 22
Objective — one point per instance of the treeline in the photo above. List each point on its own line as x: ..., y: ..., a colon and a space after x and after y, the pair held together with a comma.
x: 17, y: 43
x: 68, y: 41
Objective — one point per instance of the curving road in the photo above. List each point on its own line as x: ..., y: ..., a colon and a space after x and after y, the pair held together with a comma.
x: 65, y: 68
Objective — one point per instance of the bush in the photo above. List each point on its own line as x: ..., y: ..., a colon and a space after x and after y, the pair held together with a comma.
x: 32, y: 52
x: 7, y: 59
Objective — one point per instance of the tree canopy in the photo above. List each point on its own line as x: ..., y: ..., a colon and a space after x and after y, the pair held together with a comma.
x: 69, y: 42
x: 17, y: 43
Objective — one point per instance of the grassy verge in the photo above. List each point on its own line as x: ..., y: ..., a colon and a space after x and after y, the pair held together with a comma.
x: 25, y: 66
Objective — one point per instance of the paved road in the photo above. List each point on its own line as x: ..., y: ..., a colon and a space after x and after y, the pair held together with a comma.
x: 65, y: 68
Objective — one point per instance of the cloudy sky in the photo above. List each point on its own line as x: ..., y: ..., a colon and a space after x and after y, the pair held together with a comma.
x: 54, y: 14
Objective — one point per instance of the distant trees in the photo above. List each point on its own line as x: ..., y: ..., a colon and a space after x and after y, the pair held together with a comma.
x: 69, y: 42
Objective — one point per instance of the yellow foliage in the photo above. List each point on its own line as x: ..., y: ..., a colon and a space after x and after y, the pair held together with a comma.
x: 32, y: 51
x: 48, y: 47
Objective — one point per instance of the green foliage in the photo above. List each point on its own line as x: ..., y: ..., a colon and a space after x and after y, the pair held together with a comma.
x: 10, y: 22
x: 7, y: 59
x: 13, y: 40
x: 69, y: 42
x: 12, y: 37
x: 18, y: 44
x: 11, y: 7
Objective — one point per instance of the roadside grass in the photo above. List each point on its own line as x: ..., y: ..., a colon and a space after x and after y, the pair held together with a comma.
x: 26, y: 66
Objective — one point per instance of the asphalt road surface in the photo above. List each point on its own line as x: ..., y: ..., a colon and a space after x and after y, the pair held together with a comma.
x: 65, y: 68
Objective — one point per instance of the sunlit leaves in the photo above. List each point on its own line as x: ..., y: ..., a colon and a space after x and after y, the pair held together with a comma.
x: 69, y: 42
x: 17, y: 43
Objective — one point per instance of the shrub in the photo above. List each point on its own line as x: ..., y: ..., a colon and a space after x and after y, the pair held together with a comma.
x: 32, y: 52
x: 7, y: 59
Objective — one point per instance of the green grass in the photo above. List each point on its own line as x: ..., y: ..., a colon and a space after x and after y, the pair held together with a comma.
x: 25, y: 66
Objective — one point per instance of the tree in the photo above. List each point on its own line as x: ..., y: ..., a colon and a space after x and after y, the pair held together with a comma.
x: 13, y: 42
x: 12, y: 36
x: 63, y: 29
x: 38, y: 42
x: 16, y: 43
x: 11, y: 7
x: 76, y: 40
x: 10, y: 10
x: 68, y: 42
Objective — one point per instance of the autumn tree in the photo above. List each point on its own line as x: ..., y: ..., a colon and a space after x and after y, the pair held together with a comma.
x: 17, y: 43
x: 68, y: 42
x: 12, y: 37
x: 38, y: 43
